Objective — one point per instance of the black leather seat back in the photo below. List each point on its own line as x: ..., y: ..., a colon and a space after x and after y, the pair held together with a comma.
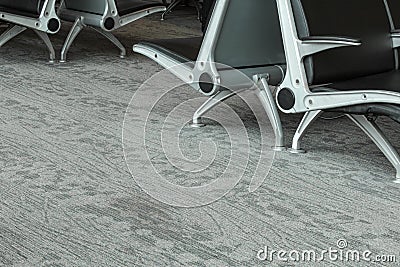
x: 394, y: 7
x: 33, y: 7
x: 366, y: 20
x: 251, y: 35
x: 126, y: 7
x: 98, y: 7
x: 88, y: 6
x: 208, y: 6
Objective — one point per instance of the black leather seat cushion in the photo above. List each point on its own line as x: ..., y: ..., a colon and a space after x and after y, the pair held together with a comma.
x: 388, y: 81
x: 126, y: 7
x: 181, y: 49
x: 26, y: 8
x: 206, y: 12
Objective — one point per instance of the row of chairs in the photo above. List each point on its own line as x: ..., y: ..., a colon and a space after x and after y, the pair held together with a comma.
x: 322, y: 55
x: 43, y: 18
x: 326, y: 55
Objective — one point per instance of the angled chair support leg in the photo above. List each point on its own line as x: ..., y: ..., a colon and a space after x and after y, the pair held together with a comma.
x: 198, y: 8
x: 170, y: 7
x: 307, y: 120
x: 268, y: 102
x: 48, y: 43
x: 376, y: 134
x: 174, y: 3
x: 11, y: 32
x: 208, y: 105
x: 73, y: 33
x: 114, y: 40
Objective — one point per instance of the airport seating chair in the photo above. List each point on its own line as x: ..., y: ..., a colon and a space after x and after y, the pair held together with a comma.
x: 341, y: 57
x: 104, y: 17
x: 38, y: 15
x: 258, y: 53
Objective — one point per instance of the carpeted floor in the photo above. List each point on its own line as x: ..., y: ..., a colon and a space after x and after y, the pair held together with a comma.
x: 67, y: 197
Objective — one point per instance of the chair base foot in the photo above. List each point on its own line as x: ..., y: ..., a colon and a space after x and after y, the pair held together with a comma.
x: 397, y: 180
x: 197, y: 124
x: 122, y: 56
x: 297, y: 151
x: 63, y: 61
x: 279, y: 148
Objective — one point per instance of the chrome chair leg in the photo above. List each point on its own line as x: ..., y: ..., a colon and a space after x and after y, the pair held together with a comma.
x: 174, y: 3
x: 114, y: 40
x: 171, y: 6
x: 307, y: 120
x: 11, y: 32
x: 198, y: 8
x: 48, y: 43
x: 208, y: 105
x: 379, y: 138
x: 73, y: 33
x: 268, y: 102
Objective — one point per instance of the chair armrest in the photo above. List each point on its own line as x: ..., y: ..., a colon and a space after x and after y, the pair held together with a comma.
x: 315, y: 44
x: 395, y: 35
x: 331, y: 39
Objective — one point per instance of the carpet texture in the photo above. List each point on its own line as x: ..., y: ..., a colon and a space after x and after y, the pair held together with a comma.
x: 67, y: 197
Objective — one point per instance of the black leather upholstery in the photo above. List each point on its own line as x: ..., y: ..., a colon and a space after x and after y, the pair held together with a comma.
x: 352, y: 19
x: 368, y: 67
x: 388, y: 81
x: 394, y: 7
x: 28, y: 8
x: 240, y: 43
x: 208, y: 6
x: 385, y: 81
x: 126, y: 7
x: 87, y: 6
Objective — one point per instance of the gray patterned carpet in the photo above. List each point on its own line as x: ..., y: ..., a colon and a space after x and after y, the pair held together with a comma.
x: 67, y: 197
